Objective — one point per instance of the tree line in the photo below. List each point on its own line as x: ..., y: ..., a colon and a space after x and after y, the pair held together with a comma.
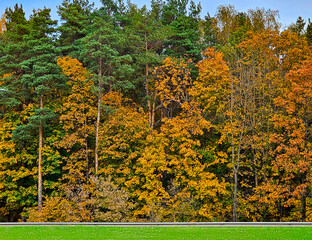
x: 121, y: 113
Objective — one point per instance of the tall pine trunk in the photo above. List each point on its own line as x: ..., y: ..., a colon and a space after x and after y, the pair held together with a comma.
x: 151, y: 111
x: 98, y: 119
x: 40, y: 161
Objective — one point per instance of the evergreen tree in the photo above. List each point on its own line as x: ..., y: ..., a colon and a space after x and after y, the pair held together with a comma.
x: 16, y: 22
x: 309, y: 33
x: 209, y: 33
x: 75, y: 15
x: 28, y: 62
x: 11, y: 48
x: 100, y: 51
x: 148, y: 36
x: 185, y: 25
x: 41, y: 78
x: 298, y: 27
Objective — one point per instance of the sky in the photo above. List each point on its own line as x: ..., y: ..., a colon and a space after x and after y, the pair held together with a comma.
x: 289, y: 10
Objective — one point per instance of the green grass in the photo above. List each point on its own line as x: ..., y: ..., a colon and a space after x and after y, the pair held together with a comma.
x: 168, y: 233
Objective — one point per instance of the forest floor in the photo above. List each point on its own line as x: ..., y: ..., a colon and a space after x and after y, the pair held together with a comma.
x: 168, y: 233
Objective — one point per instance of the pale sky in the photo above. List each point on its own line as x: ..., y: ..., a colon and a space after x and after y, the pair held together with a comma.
x: 289, y: 10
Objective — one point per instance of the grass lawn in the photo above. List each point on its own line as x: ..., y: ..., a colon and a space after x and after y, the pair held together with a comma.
x: 168, y: 233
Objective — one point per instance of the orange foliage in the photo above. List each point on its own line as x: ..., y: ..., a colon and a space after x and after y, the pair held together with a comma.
x: 293, y: 156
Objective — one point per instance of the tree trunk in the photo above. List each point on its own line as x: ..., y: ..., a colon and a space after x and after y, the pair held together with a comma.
x: 87, y: 160
x: 98, y: 119
x: 303, y: 206
x: 150, y: 113
x: 86, y: 147
x: 235, y: 169
x: 235, y: 217
x: 304, y: 175
x: 256, y: 170
x: 153, y: 111
x: 40, y: 161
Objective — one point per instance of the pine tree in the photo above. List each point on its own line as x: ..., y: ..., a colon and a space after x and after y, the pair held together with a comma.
x: 41, y: 78
x: 101, y: 51
x: 149, y: 35
x: 75, y: 15
x: 185, y: 26
x: 209, y: 33
x: 298, y: 27
x: 309, y: 33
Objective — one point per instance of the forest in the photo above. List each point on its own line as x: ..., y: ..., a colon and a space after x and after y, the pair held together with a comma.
x: 121, y: 113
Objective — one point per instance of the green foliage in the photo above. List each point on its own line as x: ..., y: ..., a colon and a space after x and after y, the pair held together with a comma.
x: 101, y: 51
x: 75, y: 15
x: 309, y: 33
x: 298, y: 27
x: 209, y: 33
x: 16, y: 23
x: 184, y: 23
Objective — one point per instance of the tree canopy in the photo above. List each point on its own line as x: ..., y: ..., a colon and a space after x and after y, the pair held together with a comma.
x: 124, y: 113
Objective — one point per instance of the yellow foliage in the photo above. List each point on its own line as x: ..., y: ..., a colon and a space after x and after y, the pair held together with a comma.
x: 58, y: 209
x: 173, y: 81
x: 212, y: 85
x: 100, y: 200
x: 2, y: 24
x: 121, y: 138
x: 172, y: 177
x: 113, y: 99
